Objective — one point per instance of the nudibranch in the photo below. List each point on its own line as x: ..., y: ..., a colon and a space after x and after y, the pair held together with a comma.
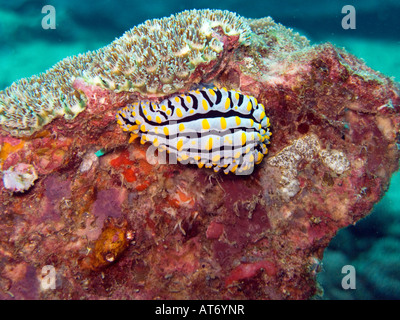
x: 215, y: 128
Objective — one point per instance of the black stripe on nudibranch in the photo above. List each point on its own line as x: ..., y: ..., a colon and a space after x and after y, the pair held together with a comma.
x: 171, y: 107
x: 206, y: 97
x: 210, y: 115
x: 195, y: 102
x: 151, y: 107
x: 230, y: 99
x: 240, y: 101
x: 183, y: 103
x: 208, y: 127
x: 219, y: 96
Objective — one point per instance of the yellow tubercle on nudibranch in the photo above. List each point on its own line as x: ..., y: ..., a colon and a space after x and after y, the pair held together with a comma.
x: 233, y: 139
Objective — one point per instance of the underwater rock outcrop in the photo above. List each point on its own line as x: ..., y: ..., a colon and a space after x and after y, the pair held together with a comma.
x: 117, y: 221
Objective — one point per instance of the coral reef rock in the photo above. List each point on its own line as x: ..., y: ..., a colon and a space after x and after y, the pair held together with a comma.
x: 115, y: 221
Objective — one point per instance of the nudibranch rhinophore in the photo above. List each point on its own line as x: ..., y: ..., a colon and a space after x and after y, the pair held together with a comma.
x: 215, y: 128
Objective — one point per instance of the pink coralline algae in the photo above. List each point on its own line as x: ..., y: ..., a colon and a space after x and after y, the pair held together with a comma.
x: 117, y: 223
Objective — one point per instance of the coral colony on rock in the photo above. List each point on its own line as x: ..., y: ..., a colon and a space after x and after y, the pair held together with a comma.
x: 80, y: 194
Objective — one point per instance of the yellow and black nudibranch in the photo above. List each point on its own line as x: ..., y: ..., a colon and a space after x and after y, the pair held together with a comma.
x: 215, y: 128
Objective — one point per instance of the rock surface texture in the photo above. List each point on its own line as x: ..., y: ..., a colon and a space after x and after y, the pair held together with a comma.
x: 115, y: 225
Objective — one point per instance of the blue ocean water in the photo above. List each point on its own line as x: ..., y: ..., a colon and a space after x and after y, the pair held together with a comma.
x: 373, y: 245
